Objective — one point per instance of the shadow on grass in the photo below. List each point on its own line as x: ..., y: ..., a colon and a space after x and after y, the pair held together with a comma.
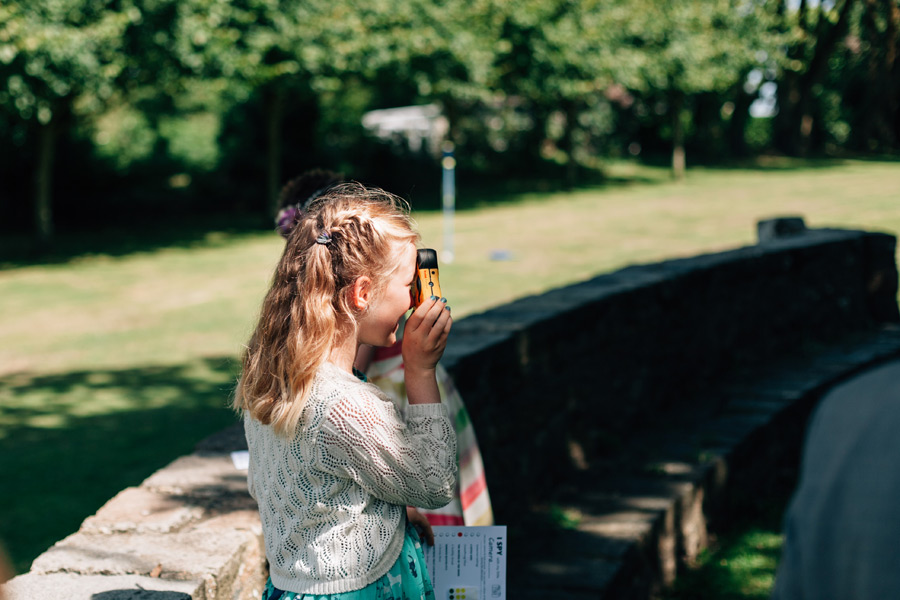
x: 150, y: 233
x: 773, y: 162
x: 20, y: 250
x: 481, y: 193
x: 69, y: 442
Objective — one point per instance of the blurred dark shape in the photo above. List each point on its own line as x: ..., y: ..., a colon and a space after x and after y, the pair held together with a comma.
x: 842, y: 526
x: 768, y: 230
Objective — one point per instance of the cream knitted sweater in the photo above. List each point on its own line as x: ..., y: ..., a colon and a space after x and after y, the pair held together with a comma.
x: 333, y: 498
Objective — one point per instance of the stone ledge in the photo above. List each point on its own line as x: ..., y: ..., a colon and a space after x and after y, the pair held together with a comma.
x: 195, y: 554
x: 199, y: 476
x: 189, y: 532
x: 138, y: 510
x: 69, y: 586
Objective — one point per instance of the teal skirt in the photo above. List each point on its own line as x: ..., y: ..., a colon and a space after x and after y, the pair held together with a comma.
x: 407, y: 579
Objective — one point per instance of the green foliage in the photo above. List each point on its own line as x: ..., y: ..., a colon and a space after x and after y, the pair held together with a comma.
x: 838, y: 87
x: 741, y: 568
x: 863, y: 82
x: 124, y: 136
x: 692, y: 47
x: 680, y: 56
x: 759, y: 134
x: 549, y: 87
x: 60, y: 53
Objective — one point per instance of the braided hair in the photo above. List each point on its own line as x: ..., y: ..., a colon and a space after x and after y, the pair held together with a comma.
x: 348, y: 232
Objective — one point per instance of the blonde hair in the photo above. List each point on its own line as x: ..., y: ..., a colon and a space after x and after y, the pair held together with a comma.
x: 307, y: 309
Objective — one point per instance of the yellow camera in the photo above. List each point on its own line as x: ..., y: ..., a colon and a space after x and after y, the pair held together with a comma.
x: 427, y: 283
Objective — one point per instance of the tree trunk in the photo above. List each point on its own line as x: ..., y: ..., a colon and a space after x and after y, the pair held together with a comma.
x: 736, y: 132
x: 784, y: 132
x: 568, y: 141
x: 892, y: 73
x: 827, y: 39
x: 678, y: 158
x: 275, y: 119
x: 796, y: 123
x: 43, y: 184
x: 451, y: 112
x: 785, y: 126
x: 874, y: 129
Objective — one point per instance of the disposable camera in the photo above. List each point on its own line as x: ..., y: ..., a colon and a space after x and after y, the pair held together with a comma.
x: 427, y: 283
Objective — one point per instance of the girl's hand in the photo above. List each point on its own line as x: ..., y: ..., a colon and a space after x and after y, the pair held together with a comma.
x: 421, y: 524
x: 425, y: 336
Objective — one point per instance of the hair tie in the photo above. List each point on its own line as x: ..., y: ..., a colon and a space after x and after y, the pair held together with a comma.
x: 287, y: 218
x: 323, y: 238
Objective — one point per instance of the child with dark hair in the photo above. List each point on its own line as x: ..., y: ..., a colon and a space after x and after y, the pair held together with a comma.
x: 299, y: 193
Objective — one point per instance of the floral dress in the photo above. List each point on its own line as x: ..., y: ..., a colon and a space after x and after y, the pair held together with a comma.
x: 407, y: 579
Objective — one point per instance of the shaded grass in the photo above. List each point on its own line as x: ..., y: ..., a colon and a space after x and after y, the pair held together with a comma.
x: 18, y: 249
x: 69, y: 442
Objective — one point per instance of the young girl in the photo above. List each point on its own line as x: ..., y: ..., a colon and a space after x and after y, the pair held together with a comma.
x: 332, y: 463
x: 471, y: 504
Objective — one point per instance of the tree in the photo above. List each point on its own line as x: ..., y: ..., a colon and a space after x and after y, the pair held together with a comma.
x: 430, y: 50
x: 59, y: 60
x: 560, y: 58
x: 815, y: 32
x: 682, y: 49
x: 858, y: 99
x: 246, y: 47
x: 872, y: 77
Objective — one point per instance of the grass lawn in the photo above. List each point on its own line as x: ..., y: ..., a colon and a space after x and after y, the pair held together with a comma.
x: 741, y: 566
x: 111, y: 366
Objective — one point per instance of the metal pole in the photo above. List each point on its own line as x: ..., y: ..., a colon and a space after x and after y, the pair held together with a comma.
x: 448, y: 196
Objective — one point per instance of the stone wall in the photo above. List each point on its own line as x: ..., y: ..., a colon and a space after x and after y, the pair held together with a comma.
x: 556, y: 385
x: 562, y: 378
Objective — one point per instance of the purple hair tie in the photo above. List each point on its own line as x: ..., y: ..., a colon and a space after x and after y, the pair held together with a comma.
x: 287, y: 218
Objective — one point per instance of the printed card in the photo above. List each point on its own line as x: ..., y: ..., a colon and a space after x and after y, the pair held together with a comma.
x: 468, y: 563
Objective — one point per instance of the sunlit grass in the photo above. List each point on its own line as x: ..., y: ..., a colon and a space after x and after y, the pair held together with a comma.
x: 554, y: 239
x: 740, y: 567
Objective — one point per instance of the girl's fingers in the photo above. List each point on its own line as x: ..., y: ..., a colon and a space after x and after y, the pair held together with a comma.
x: 449, y: 323
x: 430, y: 323
x: 442, y: 319
x: 441, y: 326
x: 433, y: 314
x: 418, y: 316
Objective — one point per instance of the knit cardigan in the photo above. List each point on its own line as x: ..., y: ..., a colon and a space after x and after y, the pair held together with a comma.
x: 332, y: 498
